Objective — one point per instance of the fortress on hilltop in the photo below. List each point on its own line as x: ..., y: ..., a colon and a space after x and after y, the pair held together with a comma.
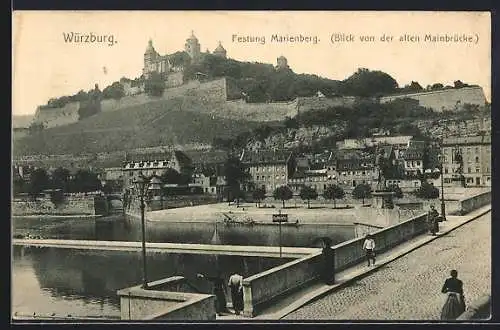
x: 211, y: 95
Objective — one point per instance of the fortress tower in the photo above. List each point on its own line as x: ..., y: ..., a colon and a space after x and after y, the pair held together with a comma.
x: 192, y: 47
x: 220, y: 51
x: 153, y: 62
x: 281, y: 63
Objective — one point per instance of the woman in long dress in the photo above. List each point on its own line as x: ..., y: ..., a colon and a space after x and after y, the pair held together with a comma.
x: 455, y: 303
x: 218, y: 291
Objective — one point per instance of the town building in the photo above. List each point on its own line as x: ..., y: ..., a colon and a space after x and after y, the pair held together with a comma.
x: 269, y: 169
x: 316, y: 171
x: 400, y: 142
x: 414, y: 160
x: 468, y: 156
x: 355, y: 167
x: 157, y: 164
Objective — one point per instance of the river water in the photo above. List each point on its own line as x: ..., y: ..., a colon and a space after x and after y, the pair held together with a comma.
x: 83, y: 283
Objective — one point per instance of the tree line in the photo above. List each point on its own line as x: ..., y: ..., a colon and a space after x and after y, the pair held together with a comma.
x: 60, y: 179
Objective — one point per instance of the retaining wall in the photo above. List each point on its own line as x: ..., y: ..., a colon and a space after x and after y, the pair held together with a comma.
x: 73, y: 205
x: 447, y: 99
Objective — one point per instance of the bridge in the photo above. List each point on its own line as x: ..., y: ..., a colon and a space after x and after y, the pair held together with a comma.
x: 409, y: 288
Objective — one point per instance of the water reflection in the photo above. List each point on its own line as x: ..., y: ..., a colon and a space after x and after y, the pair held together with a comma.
x: 128, y: 229
x: 84, y: 282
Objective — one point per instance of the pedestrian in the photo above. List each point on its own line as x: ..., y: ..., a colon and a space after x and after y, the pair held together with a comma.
x: 218, y: 291
x: 433, y: 220
x: 236, y: 285
x: 369, y: 247
x: 455, y: 302
x: 328, y: 262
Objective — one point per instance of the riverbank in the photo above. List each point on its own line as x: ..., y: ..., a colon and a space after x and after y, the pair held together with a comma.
x: 57, y: 216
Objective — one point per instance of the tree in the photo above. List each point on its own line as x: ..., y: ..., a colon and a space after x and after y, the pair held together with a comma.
x: 308, y: 193
x: 459, y: 84
x: 39, y: 181
x: 334, y: 192
x: 398, y: 193
x: 113, y: 91
x: 362, y: 191
x: 86, y: 181
x: 154, y: 85
x: 259, y: 194
x: 369, y: 83
x: 171, y: 176
x: 18, y: 185
x: 437, y: 86
x: 427, y: 191
x: 282, y: 193
x: 236, y: 175
x: 60, y: 179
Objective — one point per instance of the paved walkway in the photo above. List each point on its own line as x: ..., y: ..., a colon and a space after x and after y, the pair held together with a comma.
x: 445, y: 252
x: 409, y: 288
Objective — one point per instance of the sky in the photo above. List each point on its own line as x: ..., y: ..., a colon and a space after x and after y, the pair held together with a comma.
x: 45, y: 65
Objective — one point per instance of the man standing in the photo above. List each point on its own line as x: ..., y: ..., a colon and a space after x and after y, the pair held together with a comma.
x: 433, y: 221
x: 369, y: 247
x: 236, y: 286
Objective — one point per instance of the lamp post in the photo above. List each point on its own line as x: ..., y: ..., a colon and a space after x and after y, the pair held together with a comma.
x: 141, y: 185
x: 443, y: 206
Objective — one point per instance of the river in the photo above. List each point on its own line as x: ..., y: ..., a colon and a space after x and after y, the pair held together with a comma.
x: 83, y: 283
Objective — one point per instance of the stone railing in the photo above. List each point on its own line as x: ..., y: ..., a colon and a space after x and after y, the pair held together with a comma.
x: 472, y: 203
x: 157, y: 304
x: 262, y: 289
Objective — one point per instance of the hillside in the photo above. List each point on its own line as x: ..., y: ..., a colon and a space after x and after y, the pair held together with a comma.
x: 21, y: 121
x: 157, y: 123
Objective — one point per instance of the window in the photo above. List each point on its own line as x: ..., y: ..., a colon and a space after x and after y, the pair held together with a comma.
x: 469, y: 170
x: 131, y: 173
x: 418, y: 163
x: 477, y: 150
x: 446, y: 170
x: 477, y: 159
x: 478, y: 170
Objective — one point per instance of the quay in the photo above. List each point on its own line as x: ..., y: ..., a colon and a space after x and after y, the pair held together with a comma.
x: 248, y: 251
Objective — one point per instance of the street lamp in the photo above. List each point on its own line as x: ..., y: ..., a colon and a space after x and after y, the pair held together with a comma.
x: 443, y: 206
x: 141, y: 184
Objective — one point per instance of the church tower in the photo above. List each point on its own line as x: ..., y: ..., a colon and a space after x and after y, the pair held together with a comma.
x: 282, y: 63
x: 220, y: 51
x: 193, y: 47
x: 150, y: 57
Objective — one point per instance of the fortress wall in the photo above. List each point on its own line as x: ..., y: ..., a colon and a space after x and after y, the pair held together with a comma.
x: 125, y: 102
x: 174, y: 79
x: 239, y: 109
x: 52, y: 117
x: 447, y: 99
x: 321, y: 103
x: 207, y: 92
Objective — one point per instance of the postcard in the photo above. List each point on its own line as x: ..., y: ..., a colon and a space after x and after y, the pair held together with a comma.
x: 251, y: 165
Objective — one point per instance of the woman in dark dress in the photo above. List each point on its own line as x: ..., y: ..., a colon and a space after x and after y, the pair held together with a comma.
x: 218, y: 291
x: 327, y: 262
x: 455, y: 303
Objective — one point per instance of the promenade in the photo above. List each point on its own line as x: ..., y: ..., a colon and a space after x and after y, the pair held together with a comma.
x: 405, y: 284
